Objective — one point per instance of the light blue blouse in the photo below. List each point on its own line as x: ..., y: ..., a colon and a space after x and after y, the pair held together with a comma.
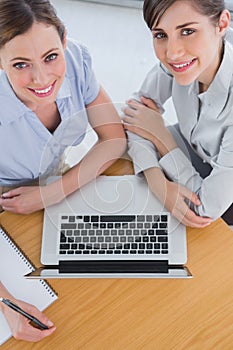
x: 27, y: 149
x: 206, y: 121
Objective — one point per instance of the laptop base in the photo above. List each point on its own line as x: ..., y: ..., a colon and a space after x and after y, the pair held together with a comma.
x: 172, y: 271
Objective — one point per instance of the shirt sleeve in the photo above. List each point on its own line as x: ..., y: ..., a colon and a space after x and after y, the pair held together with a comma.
x: 157, y: 86
x: 216, y: 190
x: 142, y: 152
x: 92, y: 87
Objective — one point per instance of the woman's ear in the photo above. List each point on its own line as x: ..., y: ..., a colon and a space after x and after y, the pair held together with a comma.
x: 224, y: 22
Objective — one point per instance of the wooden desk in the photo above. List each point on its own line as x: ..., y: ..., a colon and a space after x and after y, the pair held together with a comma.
x: 150, y: 314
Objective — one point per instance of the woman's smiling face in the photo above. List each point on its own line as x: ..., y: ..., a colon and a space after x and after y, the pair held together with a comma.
x: 35, y: 65
x: 188, y: 44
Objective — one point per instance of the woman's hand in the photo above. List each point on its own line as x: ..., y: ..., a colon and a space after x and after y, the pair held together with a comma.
x: 28, y: 199
x: 20, y: 326
x: 174, y: 197
x: 22, y: 200
x: 145, y: 120
x: 176, y: 202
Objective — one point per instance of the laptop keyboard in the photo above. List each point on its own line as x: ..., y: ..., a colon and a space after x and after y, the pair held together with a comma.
x: 113, y: 234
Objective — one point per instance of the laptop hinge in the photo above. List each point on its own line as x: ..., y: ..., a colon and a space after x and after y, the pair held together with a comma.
x: 113, y: 266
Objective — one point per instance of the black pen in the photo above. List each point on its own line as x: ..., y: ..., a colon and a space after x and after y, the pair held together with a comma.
x: 24, y: 313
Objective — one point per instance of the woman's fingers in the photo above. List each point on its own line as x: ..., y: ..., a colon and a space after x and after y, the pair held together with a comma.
x: 191, y: 196
x: 149, y: 103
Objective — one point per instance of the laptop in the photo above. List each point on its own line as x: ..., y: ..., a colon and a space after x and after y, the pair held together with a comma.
x: 113, y: 227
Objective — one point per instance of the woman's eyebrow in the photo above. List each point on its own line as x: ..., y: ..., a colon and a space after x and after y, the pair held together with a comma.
x: 177, y: 27
x: 186, y: 25
x: 27, y: 59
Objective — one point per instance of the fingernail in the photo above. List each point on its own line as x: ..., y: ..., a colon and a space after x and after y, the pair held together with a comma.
x: 50, y: 323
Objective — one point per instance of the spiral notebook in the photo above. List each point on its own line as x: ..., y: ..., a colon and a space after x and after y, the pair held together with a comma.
x: 13, y: 266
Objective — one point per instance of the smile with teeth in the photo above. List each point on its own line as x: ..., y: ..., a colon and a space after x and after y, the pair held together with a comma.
x: 44, y: 91
x: 182, y: 66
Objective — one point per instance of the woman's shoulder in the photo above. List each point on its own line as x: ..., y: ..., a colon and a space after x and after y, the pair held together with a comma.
x: 229, y: 35
x: 76, y: 53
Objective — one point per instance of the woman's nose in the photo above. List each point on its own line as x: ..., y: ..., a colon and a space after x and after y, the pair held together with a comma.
x: 175, y: 49
x: 39, y: 75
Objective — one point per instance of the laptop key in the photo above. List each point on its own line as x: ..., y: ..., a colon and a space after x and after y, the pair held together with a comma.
x: 117, y: 218
x: 68, y: 226
x: 65, y: 246
x: 63, y: 238
x: 94, y: 218
x: 140, y: 218
x: 86, y: 218
x: 162, y: 239
x: 161, y: 232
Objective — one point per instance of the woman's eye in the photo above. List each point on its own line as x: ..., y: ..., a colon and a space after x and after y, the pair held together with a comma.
x: 186, y: 32
x: 159, y: 35
x: 20, y: 65
x: 51, y: 57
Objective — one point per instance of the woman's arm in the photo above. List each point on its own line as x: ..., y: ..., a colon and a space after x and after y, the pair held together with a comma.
x: 19, y: 325
x: 145, y: 120
x: 111, y: 145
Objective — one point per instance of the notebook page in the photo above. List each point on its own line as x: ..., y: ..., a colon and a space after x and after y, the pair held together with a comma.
x: 13, y: 266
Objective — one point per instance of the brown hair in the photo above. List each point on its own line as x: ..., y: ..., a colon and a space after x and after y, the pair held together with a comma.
x: 18, y: 16
x: 153, y: 10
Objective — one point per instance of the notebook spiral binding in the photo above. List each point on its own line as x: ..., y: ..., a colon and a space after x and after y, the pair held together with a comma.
x: 26, y: 260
